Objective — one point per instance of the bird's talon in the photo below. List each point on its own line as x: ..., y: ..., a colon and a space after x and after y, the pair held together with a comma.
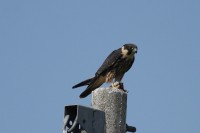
x: 118, y: 85
x: 115, y: 85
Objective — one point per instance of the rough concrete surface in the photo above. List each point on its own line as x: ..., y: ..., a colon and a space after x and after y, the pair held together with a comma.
x: 114, y: 103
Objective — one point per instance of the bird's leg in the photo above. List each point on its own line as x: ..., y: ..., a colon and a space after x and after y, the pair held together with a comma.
x: 118, y: 85
x: 115, y: 85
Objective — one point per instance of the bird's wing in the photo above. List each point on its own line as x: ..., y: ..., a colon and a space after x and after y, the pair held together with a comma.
x: 109, y: 62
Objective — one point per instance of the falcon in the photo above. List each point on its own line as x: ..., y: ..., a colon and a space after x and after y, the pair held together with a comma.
x: 112, y: 70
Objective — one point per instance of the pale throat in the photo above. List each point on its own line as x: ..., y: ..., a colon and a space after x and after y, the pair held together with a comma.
x: 125, y: 53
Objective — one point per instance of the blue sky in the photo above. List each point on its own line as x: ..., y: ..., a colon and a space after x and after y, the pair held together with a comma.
x: 48, y: 46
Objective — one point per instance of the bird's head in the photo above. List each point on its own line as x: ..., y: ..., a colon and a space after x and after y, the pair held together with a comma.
x: 128, y: 49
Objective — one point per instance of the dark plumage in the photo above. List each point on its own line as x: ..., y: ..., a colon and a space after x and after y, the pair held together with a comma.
x: 113, y: 68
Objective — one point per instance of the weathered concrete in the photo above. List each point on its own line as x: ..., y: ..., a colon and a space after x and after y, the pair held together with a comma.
x: 114, y: 103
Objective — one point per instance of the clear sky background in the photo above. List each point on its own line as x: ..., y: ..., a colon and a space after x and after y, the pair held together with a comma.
x: 47, y: 46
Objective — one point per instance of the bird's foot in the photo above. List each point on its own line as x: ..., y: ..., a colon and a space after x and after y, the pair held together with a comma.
x: 118, y: 85
x: 115, y: 85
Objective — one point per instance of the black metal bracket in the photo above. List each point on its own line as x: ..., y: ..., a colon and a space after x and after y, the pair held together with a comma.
x: 130, y: 128
x: 81, y: 119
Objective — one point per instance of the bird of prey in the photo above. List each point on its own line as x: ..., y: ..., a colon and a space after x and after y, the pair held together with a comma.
x: 112, y: 69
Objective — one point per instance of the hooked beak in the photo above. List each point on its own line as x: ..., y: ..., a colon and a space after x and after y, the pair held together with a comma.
x: 135, y: 50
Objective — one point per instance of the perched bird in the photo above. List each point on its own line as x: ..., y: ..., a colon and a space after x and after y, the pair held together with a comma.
x: 112, y: 69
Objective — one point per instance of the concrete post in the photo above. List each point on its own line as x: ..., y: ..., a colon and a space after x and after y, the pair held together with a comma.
x: 114, y: 103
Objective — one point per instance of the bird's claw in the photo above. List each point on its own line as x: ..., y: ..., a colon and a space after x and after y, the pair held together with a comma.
x: 115, y: 85
x: 118, y: 85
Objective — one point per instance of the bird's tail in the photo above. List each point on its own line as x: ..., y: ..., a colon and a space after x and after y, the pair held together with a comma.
x: 85, y: 82
x: 95, y: 83
x: 87, y: 92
